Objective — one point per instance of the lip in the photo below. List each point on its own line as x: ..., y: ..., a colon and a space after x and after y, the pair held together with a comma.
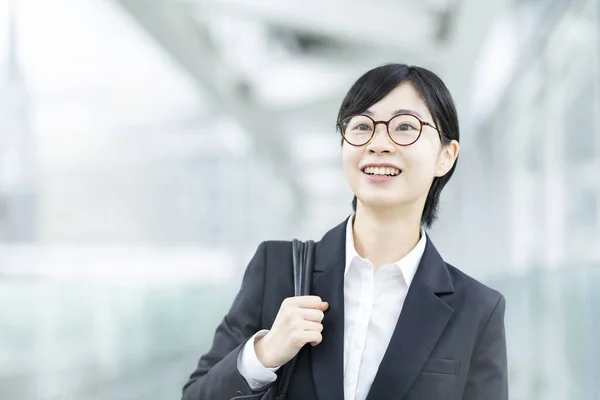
x: 380, y: 178
x: 380, y: 166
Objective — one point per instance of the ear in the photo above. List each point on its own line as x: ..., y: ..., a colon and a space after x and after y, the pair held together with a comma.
x: 447, y: 157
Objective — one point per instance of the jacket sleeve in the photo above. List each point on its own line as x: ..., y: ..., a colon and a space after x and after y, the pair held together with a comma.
x: 217, y: 376
x: 487, y: 377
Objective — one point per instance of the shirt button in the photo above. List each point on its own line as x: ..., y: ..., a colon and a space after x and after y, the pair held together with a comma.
x: 349, y: 382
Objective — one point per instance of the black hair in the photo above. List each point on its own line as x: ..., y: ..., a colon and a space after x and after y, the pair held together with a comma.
x: 377, y: 83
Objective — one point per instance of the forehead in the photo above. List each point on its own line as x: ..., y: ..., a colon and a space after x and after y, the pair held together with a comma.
x: 403, y: 97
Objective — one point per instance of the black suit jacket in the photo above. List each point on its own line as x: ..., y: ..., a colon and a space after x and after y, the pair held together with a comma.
x: 448, y: 344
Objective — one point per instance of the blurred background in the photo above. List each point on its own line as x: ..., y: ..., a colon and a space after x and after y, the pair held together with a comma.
x: 148, y: 146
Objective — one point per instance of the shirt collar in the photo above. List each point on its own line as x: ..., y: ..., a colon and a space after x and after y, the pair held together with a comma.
x: 407, y: 265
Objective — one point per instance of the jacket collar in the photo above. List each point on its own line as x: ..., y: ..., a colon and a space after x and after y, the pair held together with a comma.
x: 423, y: 319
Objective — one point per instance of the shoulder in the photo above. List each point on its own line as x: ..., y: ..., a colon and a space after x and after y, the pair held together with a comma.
x: 277, y: 249
x: 269, y: 257
x: 477, y: 295
x: 277, y: 258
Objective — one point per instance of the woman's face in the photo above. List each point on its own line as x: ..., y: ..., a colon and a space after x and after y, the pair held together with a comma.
x: 384, y: 174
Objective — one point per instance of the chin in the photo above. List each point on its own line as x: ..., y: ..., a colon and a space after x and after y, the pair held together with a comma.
x: 379, y: 201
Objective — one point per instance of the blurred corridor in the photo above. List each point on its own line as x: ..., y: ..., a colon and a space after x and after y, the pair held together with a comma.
x: 148, y: 146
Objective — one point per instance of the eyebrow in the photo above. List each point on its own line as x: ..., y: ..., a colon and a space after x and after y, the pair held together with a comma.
x: 397, y: 112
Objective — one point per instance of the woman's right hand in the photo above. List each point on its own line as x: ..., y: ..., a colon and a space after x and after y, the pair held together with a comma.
x: 298, y: 322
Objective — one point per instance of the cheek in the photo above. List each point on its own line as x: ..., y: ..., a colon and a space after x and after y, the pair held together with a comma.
x: 422, y: 162
x: 350, y: 159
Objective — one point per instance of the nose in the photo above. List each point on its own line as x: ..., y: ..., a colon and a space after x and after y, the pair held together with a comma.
x: 381, y: 142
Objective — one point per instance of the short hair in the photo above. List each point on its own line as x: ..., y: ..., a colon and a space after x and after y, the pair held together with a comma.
x: 377, y: 83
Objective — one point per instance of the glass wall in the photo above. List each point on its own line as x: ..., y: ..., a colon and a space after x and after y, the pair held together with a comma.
x: 542, y: 162
x: 72, y: 340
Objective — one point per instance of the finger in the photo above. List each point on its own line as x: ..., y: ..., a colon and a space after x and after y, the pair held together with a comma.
x: 312, y: 326
x: 323, y: 306
x: 316, y: 341
x: 297, y: 300
x: 311, y: 314
x: 312, y: 337
x: 307, y: 301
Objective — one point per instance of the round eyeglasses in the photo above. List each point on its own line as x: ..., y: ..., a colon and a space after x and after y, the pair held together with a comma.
x: 403, y: 129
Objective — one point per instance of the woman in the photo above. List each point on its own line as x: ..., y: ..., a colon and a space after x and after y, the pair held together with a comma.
x: 389, y: 319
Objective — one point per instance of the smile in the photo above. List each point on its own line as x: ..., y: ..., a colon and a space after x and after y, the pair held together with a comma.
x: 381, y: 171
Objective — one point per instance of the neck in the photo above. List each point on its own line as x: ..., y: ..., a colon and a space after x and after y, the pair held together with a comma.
x: 385, y: 236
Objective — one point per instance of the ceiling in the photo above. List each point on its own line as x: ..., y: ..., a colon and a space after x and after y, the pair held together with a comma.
x: 281, y: 68
x: 271, y: 71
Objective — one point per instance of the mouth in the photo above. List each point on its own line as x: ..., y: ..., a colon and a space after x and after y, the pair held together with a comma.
x: 381, y: 171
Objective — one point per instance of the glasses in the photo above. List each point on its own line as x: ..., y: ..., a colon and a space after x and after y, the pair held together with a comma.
x: 403, y: 129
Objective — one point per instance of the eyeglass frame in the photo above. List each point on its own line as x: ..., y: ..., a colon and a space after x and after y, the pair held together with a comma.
x: 387, y: 129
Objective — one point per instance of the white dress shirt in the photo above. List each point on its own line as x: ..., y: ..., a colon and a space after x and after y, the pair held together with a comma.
x: 372, y: 304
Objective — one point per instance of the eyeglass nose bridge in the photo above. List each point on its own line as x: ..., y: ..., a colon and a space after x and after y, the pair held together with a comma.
x: 385, y: 123
x: 387, y: 130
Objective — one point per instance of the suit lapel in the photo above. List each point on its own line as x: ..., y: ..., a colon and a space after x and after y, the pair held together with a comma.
x: 328, y: 282
x: 422, y: 320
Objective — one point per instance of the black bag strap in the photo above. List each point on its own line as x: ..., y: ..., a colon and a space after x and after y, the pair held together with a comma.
x: 303, y: 255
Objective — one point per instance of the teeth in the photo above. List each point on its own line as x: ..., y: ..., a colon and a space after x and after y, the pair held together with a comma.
x: 381, y: 171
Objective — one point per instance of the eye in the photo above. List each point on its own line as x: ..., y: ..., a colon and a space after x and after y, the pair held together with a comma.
x: 405, y: 127
x: 363, y: 127
x: 358, y: 125
x: 405, y: 123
